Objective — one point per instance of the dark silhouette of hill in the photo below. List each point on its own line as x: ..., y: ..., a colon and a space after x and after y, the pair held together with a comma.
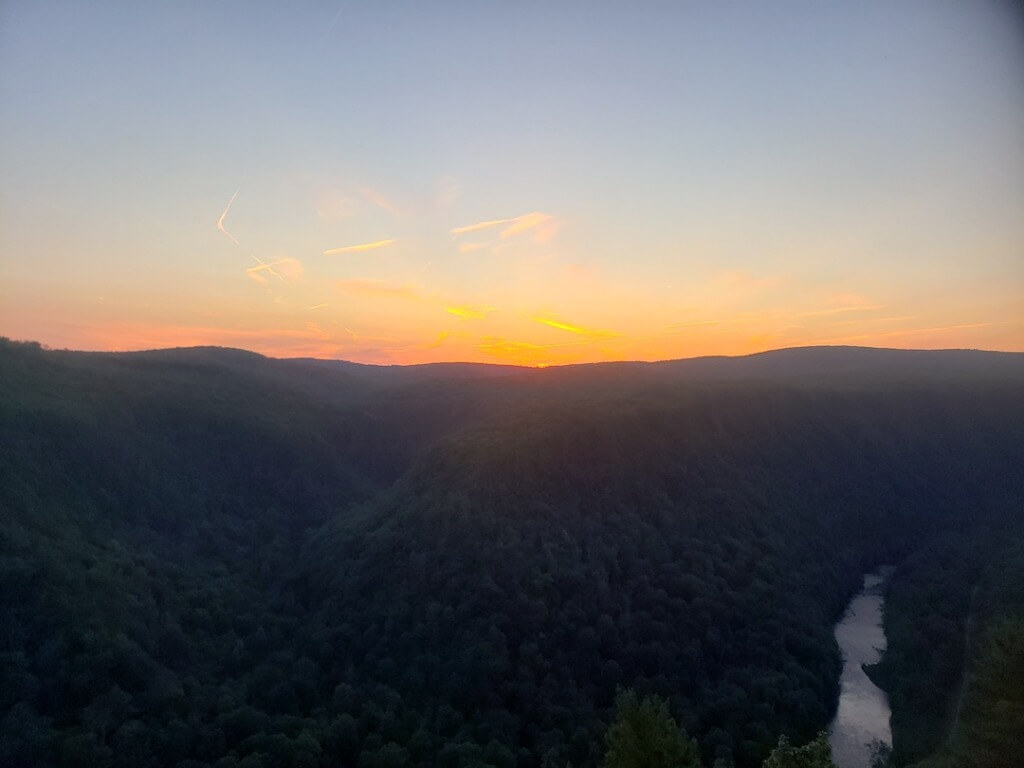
x: 208, y: 557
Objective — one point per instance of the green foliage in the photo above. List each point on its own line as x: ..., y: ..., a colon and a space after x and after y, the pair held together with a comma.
x: 644, y: 735
x: 814, y: 754
x: 211, y: 558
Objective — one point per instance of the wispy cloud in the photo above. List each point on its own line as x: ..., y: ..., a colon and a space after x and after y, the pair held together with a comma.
x: 542, y: 225
x: 907, y: 332
x: 359, y: 248
x: 470, y: 247
x: 317, y: 331
x: 318, y: 306
x: 379, y: 200
x: 377, y: 289
x: 281, y: 269
x: 520, y: 352
x: 480, y: 225
x: 437, y: 342
x: 220, y: 221
x: 262, y: 266
x: 470, y: 312
x: 577, y: 329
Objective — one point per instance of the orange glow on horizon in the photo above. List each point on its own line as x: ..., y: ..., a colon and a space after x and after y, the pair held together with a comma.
x: 317, y: 340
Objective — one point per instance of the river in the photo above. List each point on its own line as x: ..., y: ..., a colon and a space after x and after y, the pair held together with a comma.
x: 863, y: 713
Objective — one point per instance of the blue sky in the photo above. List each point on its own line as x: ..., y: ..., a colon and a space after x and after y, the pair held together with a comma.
x: 674, y: 179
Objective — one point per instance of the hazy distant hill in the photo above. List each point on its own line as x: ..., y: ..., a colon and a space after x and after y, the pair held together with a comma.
x: 209, y: 557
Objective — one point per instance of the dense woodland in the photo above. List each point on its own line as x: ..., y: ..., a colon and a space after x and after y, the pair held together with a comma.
x: 210, y: 558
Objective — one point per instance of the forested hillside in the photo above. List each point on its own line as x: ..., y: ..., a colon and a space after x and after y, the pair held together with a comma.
x: 212, y: 558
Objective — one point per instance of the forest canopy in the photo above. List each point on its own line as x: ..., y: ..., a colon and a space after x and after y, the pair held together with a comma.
x: 211, y: 558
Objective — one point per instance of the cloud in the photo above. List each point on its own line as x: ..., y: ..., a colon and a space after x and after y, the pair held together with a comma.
x: 220, y: 221
x: 318, y: 306
x: 470, y: 312
x: 379, y: 200
x: 470, y: 247
x: 543, y: 226
x: 253, y: 272
x: 519, y: 352
x: 480, y: 225
x: 284, y: 269
x: 317, y: 331
x: 437, y: 342
x: 359, y: 248
x: 909, y: 331
x: 376, y: 289
x: 563, y: 326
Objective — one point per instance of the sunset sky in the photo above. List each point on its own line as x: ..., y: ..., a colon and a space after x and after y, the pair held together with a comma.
x: 537, y: 183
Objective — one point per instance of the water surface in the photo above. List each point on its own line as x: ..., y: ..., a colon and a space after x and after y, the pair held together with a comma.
x: 863, y: 714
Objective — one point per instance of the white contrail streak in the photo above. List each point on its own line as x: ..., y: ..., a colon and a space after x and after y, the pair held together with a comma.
x: 220, y: 221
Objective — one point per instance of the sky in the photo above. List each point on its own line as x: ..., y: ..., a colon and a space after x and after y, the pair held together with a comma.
x: 534, y: 183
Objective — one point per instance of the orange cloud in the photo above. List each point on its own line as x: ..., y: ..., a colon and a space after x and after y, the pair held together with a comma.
x: 470, y: 312
x: 437, y: 342
x: 518, y: 352
x: 317, y: 331
x: 376, y: 289
x: 591, y: 332
x: 470, y: 247
x: 360, y: 247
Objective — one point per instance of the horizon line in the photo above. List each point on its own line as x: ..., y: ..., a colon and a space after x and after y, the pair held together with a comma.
x: 47, y: 348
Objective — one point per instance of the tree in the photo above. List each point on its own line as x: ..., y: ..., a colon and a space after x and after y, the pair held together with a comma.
x: 814, y: 754
x: 645, y: 735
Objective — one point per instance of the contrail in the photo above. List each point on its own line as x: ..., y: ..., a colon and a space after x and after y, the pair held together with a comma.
x: 480, y: 225
x: 220, y: 221
x: 358, y: 248
x: 264, y: 266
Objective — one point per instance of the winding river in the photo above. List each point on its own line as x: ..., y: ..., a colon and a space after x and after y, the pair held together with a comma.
x: 863, y: 713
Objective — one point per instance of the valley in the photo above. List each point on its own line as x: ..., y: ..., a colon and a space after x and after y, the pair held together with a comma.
x: 212, y: 558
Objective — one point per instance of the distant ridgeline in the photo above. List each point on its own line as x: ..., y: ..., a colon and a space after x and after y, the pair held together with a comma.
x: 211, y: 558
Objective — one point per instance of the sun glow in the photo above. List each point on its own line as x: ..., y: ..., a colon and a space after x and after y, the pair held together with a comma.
x: 508, y: 204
